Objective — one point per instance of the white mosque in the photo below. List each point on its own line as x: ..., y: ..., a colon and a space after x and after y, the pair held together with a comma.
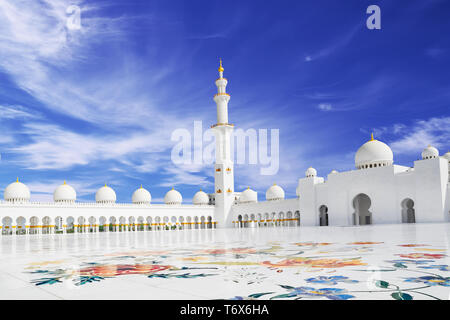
x: 377, y: 192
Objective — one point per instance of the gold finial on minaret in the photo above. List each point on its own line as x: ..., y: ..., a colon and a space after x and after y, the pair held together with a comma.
x: 64, y: 182
x: 17, y: 180
x: 221, y: 69
x: 371, y: 137
x: 141, y: 185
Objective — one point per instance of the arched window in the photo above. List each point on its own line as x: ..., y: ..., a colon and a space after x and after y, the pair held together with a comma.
x: 362, y: 215
x: 408, y: 211
x: 323, y: 215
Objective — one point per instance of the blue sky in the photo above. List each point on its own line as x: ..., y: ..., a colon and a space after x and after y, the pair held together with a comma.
x: 99, y: 104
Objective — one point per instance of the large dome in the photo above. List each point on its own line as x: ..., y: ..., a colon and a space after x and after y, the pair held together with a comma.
x: 248, y: 196
x: 105, y: 195
x: 200, y: 198
x: 17, y: 192
x: 274, y: 193
x: 64, y: 193
x: 141, y: 196
x: 173, y: 197
x: 373, y: 154
x: 430, y: 153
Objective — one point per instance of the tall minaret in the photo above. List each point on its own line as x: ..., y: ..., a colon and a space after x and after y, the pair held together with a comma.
x: 223, y: 170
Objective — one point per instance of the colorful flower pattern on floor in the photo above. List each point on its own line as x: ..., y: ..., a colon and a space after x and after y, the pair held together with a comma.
x: 274, y: 270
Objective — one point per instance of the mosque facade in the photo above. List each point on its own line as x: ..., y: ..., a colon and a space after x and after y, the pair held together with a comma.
x: 377, y: 192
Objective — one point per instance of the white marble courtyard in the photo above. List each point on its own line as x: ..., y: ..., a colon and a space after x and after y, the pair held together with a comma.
x: 405, y: 261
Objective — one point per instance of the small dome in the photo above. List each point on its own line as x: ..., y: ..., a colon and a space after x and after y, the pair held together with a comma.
x: 311, y: 172
x: 274, y: 193
x: 430, y: 153
x: 105, y: 195
x: 173, y: 197
x: 200, y: 198
x: 141, y: 196
x: 64, y: 193
x: 17, y: 192
x: 373, y: 153
x: 334, y: 171
x: 446, y: 156
x: 248, y: 196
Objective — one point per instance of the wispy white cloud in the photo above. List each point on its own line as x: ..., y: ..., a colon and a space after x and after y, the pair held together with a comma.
x: 325, y: 107
x: 43, y: 57
x: 53, y: 147
x: 434, y: 131
x: 17, y: 112
x: 335, y: 45
x: 434, y: 52
x: 179, y: 175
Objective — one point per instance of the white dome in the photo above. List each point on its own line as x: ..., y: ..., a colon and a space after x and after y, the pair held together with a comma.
x: 17, y: 192
x: 200, y: 198
x: 446, y: 156
x: 248, y: 196
x: 373, y: 153
x: 64, y: 193
x: 430, y: 153
x: 173, y: 197
x: 274, y: 193
x: 311, y: 172
x: 141, y: 196
x: 105, y: 195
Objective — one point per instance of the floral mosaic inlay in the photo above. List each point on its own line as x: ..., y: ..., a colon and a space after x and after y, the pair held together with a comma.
x: 275, y: 270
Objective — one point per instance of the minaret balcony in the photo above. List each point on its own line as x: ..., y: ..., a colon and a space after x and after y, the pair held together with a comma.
x: 222, y: 124
x: 221, y: 94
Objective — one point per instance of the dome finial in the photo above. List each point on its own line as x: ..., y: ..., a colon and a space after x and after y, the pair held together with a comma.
x: 64, y: 182
x: 371, y: 137
x: 221, y: 69
x: 141, y: 185
x: 17, y: 180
